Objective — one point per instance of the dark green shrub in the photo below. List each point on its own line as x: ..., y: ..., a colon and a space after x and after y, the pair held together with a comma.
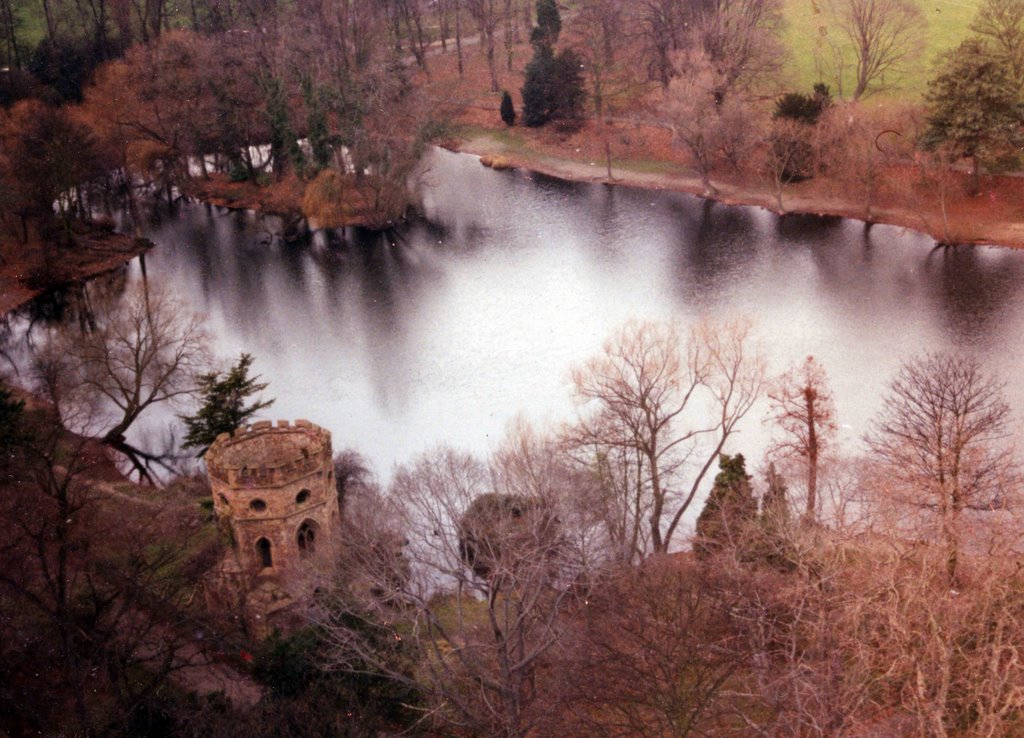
x: 803, y: 108
x: 508, y: 110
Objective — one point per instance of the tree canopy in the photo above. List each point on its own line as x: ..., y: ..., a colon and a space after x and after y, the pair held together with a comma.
x: 974, y: 106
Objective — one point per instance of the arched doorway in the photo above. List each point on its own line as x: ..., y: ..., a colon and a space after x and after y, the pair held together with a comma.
x: 266, y: 558
x: 306, y: 538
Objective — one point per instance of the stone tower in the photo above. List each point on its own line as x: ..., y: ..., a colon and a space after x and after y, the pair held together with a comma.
x: 274, y: 485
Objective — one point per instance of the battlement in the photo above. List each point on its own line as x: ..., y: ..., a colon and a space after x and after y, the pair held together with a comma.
x: 268, y: 455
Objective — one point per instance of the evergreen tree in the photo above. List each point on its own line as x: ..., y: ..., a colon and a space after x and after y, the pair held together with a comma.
x: 223, y: 408
x: 553, y: 88
x: 549, y: 24
x: 729, y: 506
x: 538, y: 100
x: 773, y: 543
x: 568, y: 92
x: 508, y: 110
x: 284, y: 144
x: 774, y: 504
x: 318, y: 135
x: 803, y: 108
x: 974, y: 106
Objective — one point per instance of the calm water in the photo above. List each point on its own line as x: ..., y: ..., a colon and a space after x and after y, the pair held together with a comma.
x: 446, y: 330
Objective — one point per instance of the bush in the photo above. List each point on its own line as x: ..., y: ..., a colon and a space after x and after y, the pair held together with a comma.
x: 508, y: 110
x: 803, y: 108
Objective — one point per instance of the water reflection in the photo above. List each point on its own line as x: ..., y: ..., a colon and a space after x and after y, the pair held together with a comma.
x: 445, y: 330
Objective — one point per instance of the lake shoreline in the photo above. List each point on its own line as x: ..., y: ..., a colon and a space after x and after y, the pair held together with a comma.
x: 1000, y: 233
x: 94, y: 255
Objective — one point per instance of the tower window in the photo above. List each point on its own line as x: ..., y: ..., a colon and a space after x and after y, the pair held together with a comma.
x: 257, y: 506
x: 263, y: 551
x: 302, y: 496
x: 306, y: 538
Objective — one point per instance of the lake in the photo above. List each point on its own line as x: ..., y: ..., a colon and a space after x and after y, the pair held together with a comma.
x: 447, y: 328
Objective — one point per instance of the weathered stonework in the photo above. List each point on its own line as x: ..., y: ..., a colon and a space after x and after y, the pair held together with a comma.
x: 274, y: 487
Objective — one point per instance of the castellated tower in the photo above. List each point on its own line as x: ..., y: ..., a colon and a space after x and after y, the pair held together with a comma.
x: 274, y: 486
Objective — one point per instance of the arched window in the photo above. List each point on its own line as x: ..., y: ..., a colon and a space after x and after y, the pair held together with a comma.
x: 224, y: 501
x: 257, y: 506
x: 302, y: 496
x: 263, y: 550
x: 306, y: 538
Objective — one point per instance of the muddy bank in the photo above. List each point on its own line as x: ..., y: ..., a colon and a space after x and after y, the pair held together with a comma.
x: 33, y: 269
x: 970, y: 220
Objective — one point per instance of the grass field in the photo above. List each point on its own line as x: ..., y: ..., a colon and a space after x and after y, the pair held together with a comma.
x: 31, y: 23
x: 947, y: 24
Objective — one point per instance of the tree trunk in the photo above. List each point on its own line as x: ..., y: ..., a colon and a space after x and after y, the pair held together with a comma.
x: 490, y: 61
x: 458, y: 35
x: 810, y: 514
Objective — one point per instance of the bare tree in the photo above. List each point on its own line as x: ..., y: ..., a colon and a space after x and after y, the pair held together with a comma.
x: 1003, y: 22
x: 942, y: 436
x: 740, y: 38
x: 493, y: 565
x: 487, y: 14
x: 803, y: 410
x: 671, y: 407
x: 709, y: 126
x: 660, y: 31
x: 881, y: 36
x: 147, y: 351
x: 93, y: 577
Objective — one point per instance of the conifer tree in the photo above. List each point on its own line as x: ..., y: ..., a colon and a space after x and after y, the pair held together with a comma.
x: 553, y: 85
x: 774, y: 505
x: 549, y: 24
x: 223, y: 408
x: 508, y: 110
x: 730, y: 504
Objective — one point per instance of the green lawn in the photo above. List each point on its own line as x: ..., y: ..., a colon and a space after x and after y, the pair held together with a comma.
x: 947, y: 23
x: 31, y: 25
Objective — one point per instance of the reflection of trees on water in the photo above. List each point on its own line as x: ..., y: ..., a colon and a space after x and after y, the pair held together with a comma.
x: 972, y: 289
x: 797, y: 228
x: 75, y: 304
x: 713, y: 242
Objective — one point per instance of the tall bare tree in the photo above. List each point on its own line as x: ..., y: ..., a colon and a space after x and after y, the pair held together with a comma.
x: 740, y: 38
x: 1002, y: 21
x: 670, y: 406
x: 487, y: 14
x: 710, y: 125
x: 93, y: 578
x: 803, y: 410
x: 479, y: 592
x: 943, y: 436
x: 148, y: 350
x: 877, y: 38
